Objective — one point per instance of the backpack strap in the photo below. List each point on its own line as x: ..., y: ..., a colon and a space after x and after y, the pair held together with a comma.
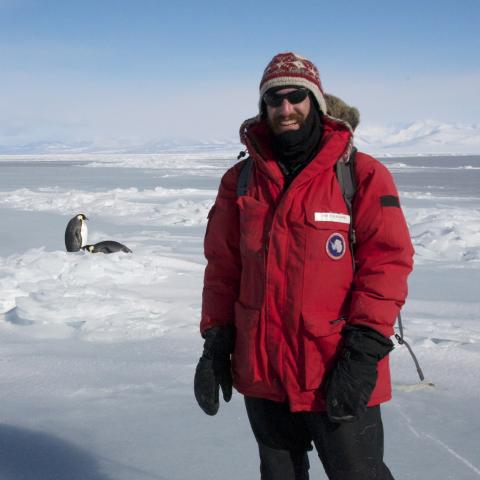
x: 244, y: 177
x: 402, y: 341
x: 345, y: 171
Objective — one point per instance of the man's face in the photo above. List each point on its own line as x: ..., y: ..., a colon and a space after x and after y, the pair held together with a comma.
x: 287, y: 116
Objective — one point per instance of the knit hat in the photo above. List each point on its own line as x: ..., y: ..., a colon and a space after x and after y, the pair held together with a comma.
x: 290, y: 69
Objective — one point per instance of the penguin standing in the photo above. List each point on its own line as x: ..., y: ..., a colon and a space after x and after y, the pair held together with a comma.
x: 107, y: 246
x: 76, y: 233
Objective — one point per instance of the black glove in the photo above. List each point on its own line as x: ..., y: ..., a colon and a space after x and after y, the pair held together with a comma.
x: 214, y: 369
x: 354, y: 376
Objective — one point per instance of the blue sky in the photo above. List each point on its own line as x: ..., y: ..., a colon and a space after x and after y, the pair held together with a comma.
x: 140, y: 70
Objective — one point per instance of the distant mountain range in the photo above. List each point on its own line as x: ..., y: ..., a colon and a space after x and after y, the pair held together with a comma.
x: 428, y: 137
x: 118, y: 147
x: 417, y: 138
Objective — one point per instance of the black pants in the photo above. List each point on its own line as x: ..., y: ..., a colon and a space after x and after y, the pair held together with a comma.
x: 348, y: 451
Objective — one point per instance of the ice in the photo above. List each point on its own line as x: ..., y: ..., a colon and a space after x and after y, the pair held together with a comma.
x: 99, y: 351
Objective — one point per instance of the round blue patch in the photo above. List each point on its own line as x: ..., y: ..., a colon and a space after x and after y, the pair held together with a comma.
x: 336, y: 246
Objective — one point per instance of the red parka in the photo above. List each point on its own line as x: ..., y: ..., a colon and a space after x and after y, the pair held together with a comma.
x: 280, y: 268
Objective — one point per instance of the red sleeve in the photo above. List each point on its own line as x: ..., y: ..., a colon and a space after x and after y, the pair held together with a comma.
x: 384, y: 252
x: 223, y: 270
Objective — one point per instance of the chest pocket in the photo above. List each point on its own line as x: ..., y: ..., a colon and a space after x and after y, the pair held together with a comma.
x: 253, y: 217
x: 253, y: 214
x: 328, y: 272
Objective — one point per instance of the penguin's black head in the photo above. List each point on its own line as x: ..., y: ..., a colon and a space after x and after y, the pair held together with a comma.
x: 89, y: 248
x: 81, y: 216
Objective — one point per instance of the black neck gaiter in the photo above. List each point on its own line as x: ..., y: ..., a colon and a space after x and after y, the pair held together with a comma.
x: 295, y: 148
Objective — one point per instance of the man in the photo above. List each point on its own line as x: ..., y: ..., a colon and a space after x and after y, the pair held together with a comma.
x: 306, y: 326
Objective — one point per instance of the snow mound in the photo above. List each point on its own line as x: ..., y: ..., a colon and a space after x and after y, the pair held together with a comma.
x: 444, y: 234
x: 116, y: 297
x: 160, y: 206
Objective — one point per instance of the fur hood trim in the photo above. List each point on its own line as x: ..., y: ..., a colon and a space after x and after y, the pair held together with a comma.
x: 338, y: 109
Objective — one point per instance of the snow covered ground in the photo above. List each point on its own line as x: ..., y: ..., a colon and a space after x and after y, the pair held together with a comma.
x: 98, y: 351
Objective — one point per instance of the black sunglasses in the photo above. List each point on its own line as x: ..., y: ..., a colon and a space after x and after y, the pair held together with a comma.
x: 274, y: 99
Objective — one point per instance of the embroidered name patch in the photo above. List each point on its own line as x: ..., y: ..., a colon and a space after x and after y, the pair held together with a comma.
x: 331, y: 217
x: 336, y: 246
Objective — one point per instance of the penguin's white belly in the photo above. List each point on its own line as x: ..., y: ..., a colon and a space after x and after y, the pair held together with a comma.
x: 84, y: 233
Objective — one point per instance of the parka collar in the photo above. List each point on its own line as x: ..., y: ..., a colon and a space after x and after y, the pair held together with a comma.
x: 336, y: 143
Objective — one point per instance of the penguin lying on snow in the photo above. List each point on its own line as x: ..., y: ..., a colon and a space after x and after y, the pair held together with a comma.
x: 108, y: 246
x: 76, y: 238
x: 76, y: 233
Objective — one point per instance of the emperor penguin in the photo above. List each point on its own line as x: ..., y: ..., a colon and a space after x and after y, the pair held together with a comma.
x: 107, y: 246
x: 76, y: 233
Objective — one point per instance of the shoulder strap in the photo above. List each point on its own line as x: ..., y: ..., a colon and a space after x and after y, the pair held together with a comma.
x: 244, y: 177
x: 345, y: 171
x: 346, y: 178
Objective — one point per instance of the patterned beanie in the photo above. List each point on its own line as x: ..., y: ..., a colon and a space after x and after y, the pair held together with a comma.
x: 290, y: 69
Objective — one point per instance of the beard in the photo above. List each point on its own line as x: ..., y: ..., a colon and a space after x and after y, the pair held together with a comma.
x: 295, y: 148
x: 276, y: 126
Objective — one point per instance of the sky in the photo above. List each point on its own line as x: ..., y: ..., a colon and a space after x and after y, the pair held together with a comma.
x: 144, y: 70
